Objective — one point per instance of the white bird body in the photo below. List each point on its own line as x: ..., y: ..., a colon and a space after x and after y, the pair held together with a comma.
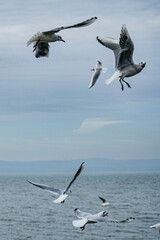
x: 87, y: 218
x: 51, y: 36
x: 97, y: 70
x: 105, y: 204
x: 123, y: 52
x: 63, y: 194
x: 41, y: 36
x: 157, y: 226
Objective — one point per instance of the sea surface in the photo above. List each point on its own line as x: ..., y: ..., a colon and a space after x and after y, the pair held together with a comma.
x: 27, y: 212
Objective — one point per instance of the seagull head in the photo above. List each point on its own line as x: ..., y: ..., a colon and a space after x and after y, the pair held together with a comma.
x: 59, y: 38
x: 76, y: 209
x: 142, y: 64
x: 104, y: 214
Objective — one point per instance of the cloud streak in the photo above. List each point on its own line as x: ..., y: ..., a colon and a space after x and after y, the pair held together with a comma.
x: 94, y: 124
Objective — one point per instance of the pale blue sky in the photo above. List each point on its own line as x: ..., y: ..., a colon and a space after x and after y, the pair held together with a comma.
x: 47, y: 111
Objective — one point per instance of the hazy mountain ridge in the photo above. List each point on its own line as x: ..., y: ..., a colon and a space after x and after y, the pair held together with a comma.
x: 91, y: 165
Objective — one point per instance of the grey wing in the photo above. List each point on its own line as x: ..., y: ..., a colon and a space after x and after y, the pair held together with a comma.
x: 47, y: 188
x: 111, y: 44
x: 81, y: 24
x: 126, y: 49
x: 106, y: 219
x: 42, y: 49
x: 103, y: 200
x: 94, y: 78
x: 75, y: 176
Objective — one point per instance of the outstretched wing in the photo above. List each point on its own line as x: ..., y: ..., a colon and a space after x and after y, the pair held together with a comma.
x: 81, y: 24
x: 111, y: 44
x: 126, y: 49
x: 75, y: 176
x: 103, y: 200
x: 47, y: 188
x: 106, y: 219
x: 41, y: 49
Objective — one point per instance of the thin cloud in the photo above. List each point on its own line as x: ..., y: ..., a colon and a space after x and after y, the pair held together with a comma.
x: 94, y: 124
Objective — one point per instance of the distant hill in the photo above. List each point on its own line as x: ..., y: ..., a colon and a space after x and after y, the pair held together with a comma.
x: 91, y: 166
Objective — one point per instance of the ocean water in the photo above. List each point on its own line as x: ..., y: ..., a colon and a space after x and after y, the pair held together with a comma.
x: 27, y: 212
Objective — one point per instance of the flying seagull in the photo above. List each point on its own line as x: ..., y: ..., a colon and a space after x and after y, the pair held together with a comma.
x: 63, y: 194
x: 86, y: 218
x: 123, y: 52
x: 157, y: 226
x: 104, y: 203
x: 41, y: 39
x: 97, y: 70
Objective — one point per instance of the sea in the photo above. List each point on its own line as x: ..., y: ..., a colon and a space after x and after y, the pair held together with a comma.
x: 28, y: 213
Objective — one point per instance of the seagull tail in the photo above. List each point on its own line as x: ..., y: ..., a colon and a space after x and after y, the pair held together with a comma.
x: 152, y: 226
x: 79, y: 223
x: 34, y: 38
x: 114, y: 76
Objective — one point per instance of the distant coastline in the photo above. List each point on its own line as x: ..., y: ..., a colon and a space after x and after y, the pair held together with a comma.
x: 91, y: 166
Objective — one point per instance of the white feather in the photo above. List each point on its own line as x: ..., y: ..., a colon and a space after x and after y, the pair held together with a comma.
x: 61, y: 198
x: 34, y: 38
x: 114, y: 76
x: 79, y: 223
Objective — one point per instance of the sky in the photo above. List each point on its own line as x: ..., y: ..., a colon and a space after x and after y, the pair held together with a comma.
x: 47, y: 111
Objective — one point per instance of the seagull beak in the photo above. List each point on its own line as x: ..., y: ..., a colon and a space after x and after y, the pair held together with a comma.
x: 63, y: 40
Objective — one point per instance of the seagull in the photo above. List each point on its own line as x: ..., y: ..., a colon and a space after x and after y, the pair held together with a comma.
x: 104, y: 202
x: 157, y: 226
x: 63, y: 194
x: 41, y: 39
x: 97, y: 70
x: 86, y: 218
x: 123, y: 52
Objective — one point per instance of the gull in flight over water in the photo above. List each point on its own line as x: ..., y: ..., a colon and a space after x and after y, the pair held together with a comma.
x: 104, y: 202
x: 123, y: 52
x: 63, y: 194
x: 97, y: 70
x: 157, y: 226
x: 86, y: 218
x: 41, y: 39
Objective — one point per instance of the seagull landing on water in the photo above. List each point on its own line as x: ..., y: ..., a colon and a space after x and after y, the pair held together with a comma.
x: 157, y: 226
x: 97, y: 70
x: 104, y: 202
x: 41, y: 39
x: 63, y: 194
x: 86, y: 218
x: 123, y: 52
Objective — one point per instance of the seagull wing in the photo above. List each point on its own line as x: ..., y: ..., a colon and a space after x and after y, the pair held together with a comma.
x: 103, y: 200
x: 95, y: 77
x: 111, y: 44
x: 47, y: 188
x: 106, y: 219
x: 126, y: 49
x: 81, y: 24
x: 75, y: 176
x: 41, y: 50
